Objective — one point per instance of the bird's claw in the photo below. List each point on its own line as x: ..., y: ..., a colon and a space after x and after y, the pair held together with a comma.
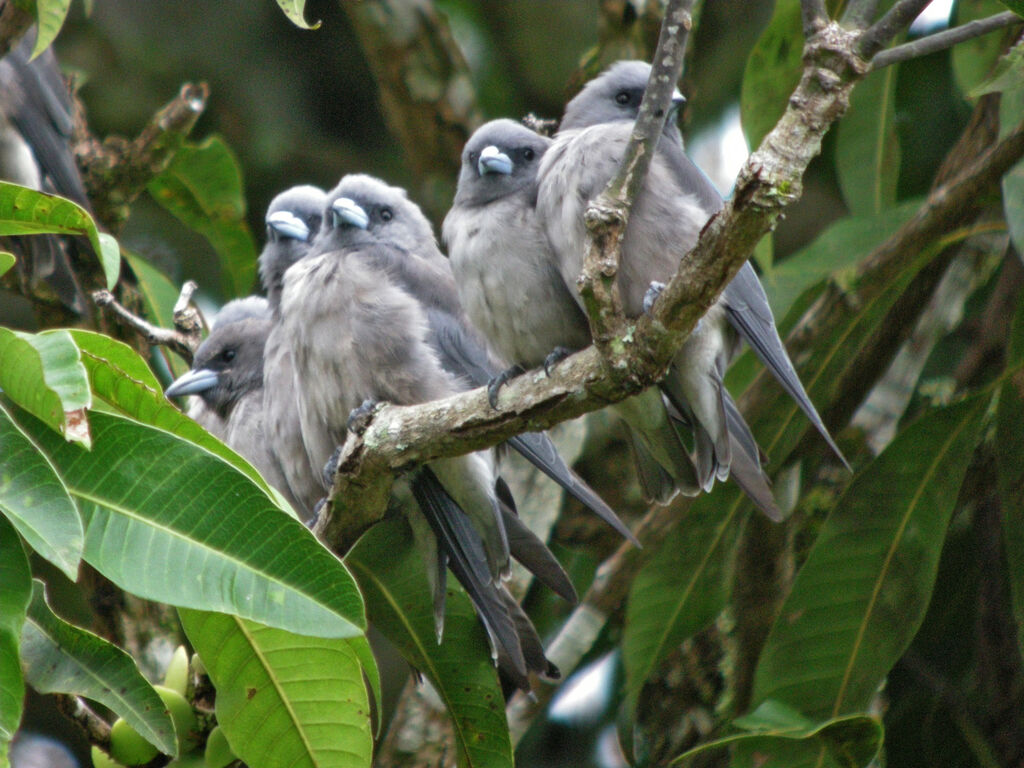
x: 496, y: 383
x: 651, y: 295
x: 359, y: 418
x: 557, y: 355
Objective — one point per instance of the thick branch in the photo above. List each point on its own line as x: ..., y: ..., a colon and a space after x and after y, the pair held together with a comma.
x: 95, y: 728
x: 940, y: 41
x: 814, y: 16
x: 184, y: 339
x: 116, y: 171
x: 859, y: 13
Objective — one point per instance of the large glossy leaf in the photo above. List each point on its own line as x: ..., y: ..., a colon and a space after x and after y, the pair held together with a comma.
x: 158, y: 297
x: 682, y: 588
x: 863, y: 591
x: 34, y: 499
x: 120, y: 377
x: 775, y: 734
x: 50, y: 15
x: 284, y: 699
x: 15, y: 592
x: 44, y: 374
x: 1009, y: 448
x: 25, y: 211
x: 62, y: 658
x: 295, y: 11
x: 203, y: 188
x: 398, y: 602
x: 772, y: 72
x: 170, y: 521
x: 973, y: 59
x: 867, y: 147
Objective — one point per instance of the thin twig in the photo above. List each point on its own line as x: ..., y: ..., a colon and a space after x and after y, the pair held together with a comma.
x: 898, y: 19
x: 945, y: 39
x: 814, y: 15
x: 96, y: 729
x: 184, y: 341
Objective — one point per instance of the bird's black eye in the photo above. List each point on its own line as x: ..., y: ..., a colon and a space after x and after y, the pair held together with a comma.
x: 227, y: 355
x: 622, y: 97
x: 386, y: 214
x: 528, y: 154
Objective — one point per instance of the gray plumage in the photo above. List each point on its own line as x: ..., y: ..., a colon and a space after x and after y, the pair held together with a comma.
x: 36, y: 122
x: 293, y: 219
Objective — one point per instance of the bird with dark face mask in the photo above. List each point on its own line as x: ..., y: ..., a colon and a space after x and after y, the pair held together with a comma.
x: 293, y: 219
x: 36, y: 122
x: 226, y: 381
x: 356, y: 315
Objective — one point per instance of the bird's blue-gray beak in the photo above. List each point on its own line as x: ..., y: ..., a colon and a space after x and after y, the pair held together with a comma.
x: 493, y: 160
x: 287, y: 224
x: 192, y: 383
x: 349, y: 213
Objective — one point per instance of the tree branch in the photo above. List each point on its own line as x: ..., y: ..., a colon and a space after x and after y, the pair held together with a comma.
x: 897, y: 19
x: 945, y: 39
x: 95, y: 728
x: 814, y: 16
x: 184, y: 339
x: 116, y: 170
x: 859, y: 13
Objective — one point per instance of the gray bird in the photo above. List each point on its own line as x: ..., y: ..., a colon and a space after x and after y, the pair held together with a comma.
x: 36, y: 122
x: 293, y: 220
x: 614, y: 97
x: 227, y: 382
x: 357, y: 333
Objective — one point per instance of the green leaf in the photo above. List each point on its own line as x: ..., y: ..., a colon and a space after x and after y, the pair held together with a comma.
x: 974, y: 59
x: 25, y: 211
x: 867, y: 147
x: 203, y: 188
x: 852, y: 741
x: 7, y: 261
x: 34, y: 499
x: 50, y: 15
x: 682, y: 588
x: 158, y: 297
x: 62, y: 658
x: 862, y: 593
x: 1011, y: 112
x: 1017, y: 6
x: 44, y: 374
x: 119, y: 377
x: 15, y: 593
x: 398, y: 602
x: 172, y: 522
x: 295, y: 10
x: 284, y: 699
x: 1009, y: 450
x: 772, y: 72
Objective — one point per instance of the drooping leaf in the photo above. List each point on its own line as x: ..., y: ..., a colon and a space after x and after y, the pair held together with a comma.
x: 772, y: 72
x: 172, y: 522
x: 34, y: 499
x: 682, y: 588
x: 43, y: 373
x: 7, y: 261
x: 50, y: 15
x: 295, y: 10
x: 285, y: 699
x: 120, y: 377
x: 862, y: 593
x: 867, y: 147
x: 158, y: 297
x: 25, y: 211
x: 398, y: 602
x: 62, y: 658
x: 15, y: 593
x: 203, y: 188
x: 974, y: 59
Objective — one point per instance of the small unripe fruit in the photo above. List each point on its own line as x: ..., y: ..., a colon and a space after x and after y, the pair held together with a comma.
x: 184, y: 718
x: 127, y: 746
x: 218, y: 751
x: 177, y: 674
x: 101, y: 759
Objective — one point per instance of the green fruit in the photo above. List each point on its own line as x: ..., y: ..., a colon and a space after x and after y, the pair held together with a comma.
x: 197, y: 665
x: 185, y: 726
x: 177, y: 674
x: 218, y: 752
x: 101, y: 759
x: 127, y: 746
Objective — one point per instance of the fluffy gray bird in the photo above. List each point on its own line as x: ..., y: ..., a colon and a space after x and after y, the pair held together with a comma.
x: 36, y: 121
x: 227, y: 382
x: 293, y: 220
x: 358, y: 333
x: 614, y: 97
